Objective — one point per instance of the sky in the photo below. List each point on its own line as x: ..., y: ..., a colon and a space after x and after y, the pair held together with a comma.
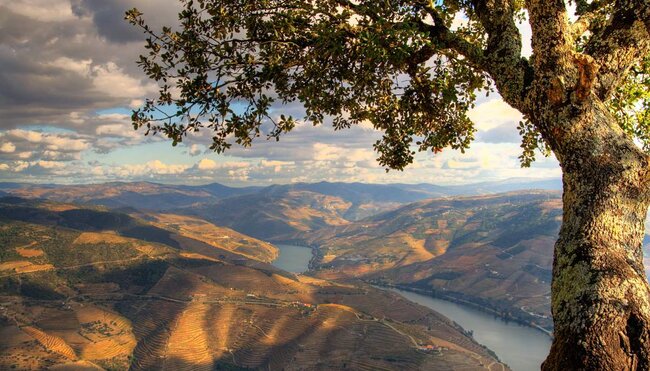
x: 69, y: 81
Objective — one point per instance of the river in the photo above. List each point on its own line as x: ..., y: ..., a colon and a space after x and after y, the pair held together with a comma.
x: 521, y: 347
x: 294, y: 259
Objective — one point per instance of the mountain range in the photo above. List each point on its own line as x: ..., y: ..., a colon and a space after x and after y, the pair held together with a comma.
x: 154, y: 196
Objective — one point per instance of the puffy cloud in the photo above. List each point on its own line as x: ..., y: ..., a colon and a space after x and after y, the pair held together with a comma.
x: 7, y: 147
x: 110, y: 79
x: 206, y: 164
x: 80, y: 67
x: 49, y: 164
x: 20, y: 166
x: 494, y: 113
x: 266, y: 163
x: 276, y: 165
x: 51, y: 142
x: 56, y: 61
x: 42, y: 10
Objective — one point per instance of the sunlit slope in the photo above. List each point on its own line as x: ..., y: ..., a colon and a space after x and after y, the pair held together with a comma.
x: 173, y: 230
x: 100, y: 299
x: 495, y: 251
x: 223, y: 237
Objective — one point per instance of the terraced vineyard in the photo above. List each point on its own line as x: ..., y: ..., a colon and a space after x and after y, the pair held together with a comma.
x: 109, y: 298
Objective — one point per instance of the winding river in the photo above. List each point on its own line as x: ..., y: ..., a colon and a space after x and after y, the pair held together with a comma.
x: 521, y: 347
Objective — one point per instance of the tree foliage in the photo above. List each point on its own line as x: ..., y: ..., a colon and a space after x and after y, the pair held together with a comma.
x: 397, y: 64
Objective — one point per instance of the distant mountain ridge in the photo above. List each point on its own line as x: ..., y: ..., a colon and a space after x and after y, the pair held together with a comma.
x: 116, y: 194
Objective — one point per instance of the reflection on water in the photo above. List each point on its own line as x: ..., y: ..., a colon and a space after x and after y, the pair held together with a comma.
x: 521, y: 347
x: 292, y: 258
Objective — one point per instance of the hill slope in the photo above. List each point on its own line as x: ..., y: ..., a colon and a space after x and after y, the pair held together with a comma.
x: 274, y: 215
x: 76, y: 291
x: 495, y: 251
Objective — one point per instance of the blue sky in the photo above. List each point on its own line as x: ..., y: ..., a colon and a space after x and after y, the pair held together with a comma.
x: 69, y: 82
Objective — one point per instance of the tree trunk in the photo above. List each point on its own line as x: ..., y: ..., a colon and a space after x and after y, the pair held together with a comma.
x: 600, y: 295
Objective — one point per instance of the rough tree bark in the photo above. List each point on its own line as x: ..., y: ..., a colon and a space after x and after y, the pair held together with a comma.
x: 600, y: 296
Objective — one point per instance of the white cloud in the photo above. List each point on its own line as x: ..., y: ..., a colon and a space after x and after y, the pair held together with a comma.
x: 117, y: 130
x: 28, y: 135
x: 20, y: 166
x: 196, y: 149
x: 80, y: 67
x: 50, y: 164
x: 42, y: 10
x: 206, y: 164
x: 493, y: 113
x: 110, y: 79
x: 267, y: 163
x: 155, y: 167
x: 7, y: 147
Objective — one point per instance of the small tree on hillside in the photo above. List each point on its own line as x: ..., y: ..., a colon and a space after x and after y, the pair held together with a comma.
x: 401, y: 66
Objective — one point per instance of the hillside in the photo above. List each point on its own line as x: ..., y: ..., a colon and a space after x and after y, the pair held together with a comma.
x: 90, y: 288
x: 274, y: 215
x: 365, y: 199
x: 494, y: 251
x: 139, y: 195
x: 173, y: 230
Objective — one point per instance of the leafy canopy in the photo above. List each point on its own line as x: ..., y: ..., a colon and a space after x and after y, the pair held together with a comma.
x: 388, y: 63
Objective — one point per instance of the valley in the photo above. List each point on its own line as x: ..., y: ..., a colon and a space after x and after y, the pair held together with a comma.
x: 225, y: 247
x: 91, y: 288
x: 494, y: 251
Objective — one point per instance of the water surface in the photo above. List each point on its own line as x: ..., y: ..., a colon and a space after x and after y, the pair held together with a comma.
x: 521, y: 347
x: 293, y: 258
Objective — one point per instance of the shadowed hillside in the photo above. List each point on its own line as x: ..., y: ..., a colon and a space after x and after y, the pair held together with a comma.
x: 77, y: 291
x: 275, y: 215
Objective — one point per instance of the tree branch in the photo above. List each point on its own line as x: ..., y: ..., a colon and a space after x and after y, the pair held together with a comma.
x: 441, y: 36
x: 620, y: 44
x: 502, y: 57
x: 552, y: 40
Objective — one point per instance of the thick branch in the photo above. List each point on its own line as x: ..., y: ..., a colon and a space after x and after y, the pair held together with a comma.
x: 552, y: 42
x: 620, y: 44
x: 503, y: 60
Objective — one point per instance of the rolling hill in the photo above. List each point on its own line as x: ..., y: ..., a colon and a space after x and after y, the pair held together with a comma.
x: 86, y: 288
x: 494, y: 251
x: 139, y: 195
x: 274, y: 215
